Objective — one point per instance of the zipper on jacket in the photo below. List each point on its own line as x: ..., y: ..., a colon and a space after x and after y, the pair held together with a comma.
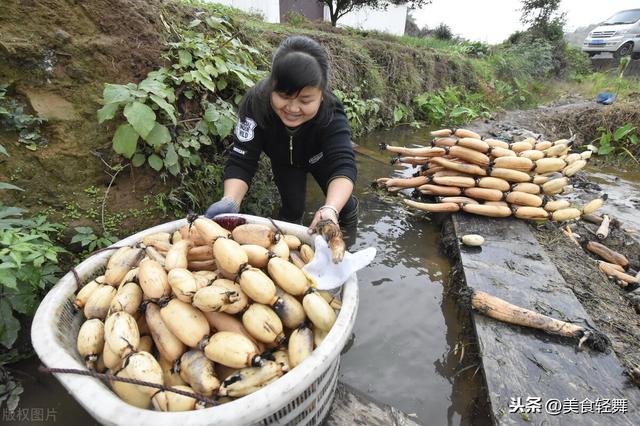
x: 291, y: 149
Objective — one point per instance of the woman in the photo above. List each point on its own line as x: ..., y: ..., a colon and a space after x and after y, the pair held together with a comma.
x: 295, y: 119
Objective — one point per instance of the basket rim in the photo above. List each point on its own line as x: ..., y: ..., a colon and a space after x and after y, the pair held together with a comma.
x: 105, y: 406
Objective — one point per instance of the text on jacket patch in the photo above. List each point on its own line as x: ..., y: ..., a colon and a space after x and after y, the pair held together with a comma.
x: 245, y: 129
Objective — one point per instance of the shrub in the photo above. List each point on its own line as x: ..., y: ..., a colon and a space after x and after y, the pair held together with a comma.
x: 443, y: 32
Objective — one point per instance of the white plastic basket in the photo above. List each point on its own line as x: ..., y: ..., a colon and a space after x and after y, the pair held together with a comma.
x: 301, y: 397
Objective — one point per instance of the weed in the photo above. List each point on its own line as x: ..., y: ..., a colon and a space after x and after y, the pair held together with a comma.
x: 14, y: 117
x: 611, y: 142
x: 88, y: 240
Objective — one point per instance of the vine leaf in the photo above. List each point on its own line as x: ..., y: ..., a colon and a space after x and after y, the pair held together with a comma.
x: 115, y: 93
x: 107, y: 112
x: 138, y: 160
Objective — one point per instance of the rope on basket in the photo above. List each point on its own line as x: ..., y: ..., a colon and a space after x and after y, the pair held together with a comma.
x: 111, y: 377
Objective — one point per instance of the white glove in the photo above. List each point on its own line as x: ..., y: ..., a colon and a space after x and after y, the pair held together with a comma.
x: 328, y: 275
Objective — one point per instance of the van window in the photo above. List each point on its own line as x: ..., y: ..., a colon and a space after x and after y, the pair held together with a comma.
x: 624, y: 17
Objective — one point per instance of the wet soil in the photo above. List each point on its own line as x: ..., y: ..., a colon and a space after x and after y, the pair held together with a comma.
x: 608, y: 303
x: 55, y: 56
x: 573, y: 115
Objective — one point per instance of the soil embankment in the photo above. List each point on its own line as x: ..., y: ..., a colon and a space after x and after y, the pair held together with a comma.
x: 56, y: 56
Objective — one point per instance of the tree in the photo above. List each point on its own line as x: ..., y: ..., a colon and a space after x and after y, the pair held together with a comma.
x: 543, y: 18
x: 339, y: 8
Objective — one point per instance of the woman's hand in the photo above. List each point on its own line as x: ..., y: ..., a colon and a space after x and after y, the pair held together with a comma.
x: 326, y: 212
x: 224, y: 205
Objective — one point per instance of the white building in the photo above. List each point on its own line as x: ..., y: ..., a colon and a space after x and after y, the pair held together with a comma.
x: 269, y: 9
x: 390, y: 21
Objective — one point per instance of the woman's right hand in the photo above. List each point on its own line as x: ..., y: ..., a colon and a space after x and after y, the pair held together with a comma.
x: 224, y: 205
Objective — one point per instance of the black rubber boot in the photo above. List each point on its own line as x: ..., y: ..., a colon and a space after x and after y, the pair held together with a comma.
x: 349, y: 215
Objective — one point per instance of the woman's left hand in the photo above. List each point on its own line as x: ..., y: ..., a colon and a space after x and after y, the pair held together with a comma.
x: 323, y: 213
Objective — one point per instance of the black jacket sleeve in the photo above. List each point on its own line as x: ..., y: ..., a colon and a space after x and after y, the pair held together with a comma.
x: 246, y: 150
x: 337, y: 147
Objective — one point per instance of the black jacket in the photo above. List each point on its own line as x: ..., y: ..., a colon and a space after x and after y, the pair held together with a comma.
x: 309, y: 146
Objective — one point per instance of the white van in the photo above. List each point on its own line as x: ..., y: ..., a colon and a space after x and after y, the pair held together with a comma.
x: 619, y: 35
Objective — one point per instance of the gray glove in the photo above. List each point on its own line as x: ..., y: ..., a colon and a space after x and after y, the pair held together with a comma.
x: 224, y: 205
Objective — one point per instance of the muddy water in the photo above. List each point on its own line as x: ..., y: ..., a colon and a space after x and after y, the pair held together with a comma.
x: 623, y: 188
x: 404, y: 347
x: 406, y: 330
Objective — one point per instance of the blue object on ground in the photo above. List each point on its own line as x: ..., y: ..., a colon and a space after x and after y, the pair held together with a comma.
x: 605, y: 98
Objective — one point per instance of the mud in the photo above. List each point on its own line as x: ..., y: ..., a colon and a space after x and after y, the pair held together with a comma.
x: 573, y: 116
x: 607, y: 302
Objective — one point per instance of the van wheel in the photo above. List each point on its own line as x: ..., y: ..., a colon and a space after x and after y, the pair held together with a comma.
x: 624, y: 50
x: 635, y: 55
x: 592, y: 54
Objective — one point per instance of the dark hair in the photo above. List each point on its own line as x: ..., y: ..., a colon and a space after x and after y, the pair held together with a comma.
x: 297, y: 63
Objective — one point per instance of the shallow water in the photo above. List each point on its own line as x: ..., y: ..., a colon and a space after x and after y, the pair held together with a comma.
x: 403, y: 348
x: 623, y: 188
x: 406, y: 330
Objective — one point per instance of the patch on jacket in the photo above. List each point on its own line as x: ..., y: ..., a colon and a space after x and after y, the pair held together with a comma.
x: 239, y: 151
x: 315, y: 158
x: 245, y: 130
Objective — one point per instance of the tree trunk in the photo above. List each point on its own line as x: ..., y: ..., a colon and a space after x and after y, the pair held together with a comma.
x: 334, y: 20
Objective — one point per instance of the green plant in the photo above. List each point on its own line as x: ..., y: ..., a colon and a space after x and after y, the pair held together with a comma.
x: 29, y: 266
x: 443, y: 32
x: 610, y: 142
x: 199, y: 189
x: 10, y: 389
x: 451, y: 105
x: 294, y: 18
x: 361, y: 113
x: 472, y: 48
x: 179, y: 110
x: 400, y: 112
x: 13, y: 117
x: 88, y: 240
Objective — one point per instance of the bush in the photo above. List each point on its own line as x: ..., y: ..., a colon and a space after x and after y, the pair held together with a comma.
x: 29, y: 258
x: 451, y: 105
x: 294, y: 18
x: 578, y: 62
x: 443, y: 32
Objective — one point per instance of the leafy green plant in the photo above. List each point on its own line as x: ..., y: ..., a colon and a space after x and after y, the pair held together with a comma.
x: 28, y: 267
x: 443, y: 32
x: 361, y: 113
x: 10, y: 389
x: 451, y: 105
x: 88, y: 240
x: 400, y: 113
x: 13, y: 117
x: 199, y: 189
x: 609, y: 142
x: 294, y: 18
x: 179, y: 110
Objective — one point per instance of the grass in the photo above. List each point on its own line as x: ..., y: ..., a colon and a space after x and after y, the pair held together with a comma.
x: 429, y: 43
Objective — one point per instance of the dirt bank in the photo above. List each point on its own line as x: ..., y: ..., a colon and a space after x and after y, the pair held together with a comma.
x: 572, y: 116
x: 56, y: 55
